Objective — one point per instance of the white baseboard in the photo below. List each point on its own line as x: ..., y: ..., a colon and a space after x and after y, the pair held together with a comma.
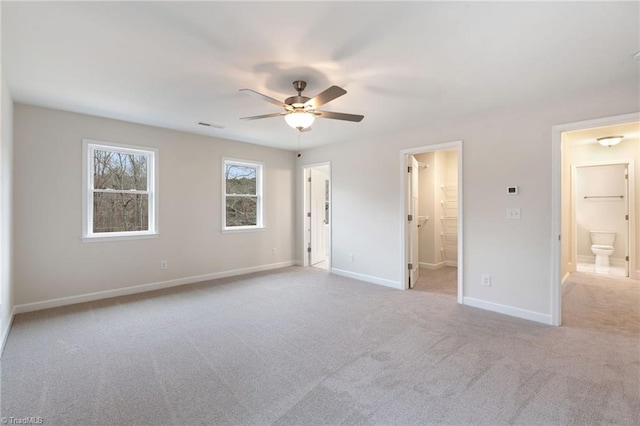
x: 90, y: 297
x: 432, y: 265
x: 508, y: 310
x: 453, y: 263
x: 5, y: 332
x: 618, y: 262
x: 368, y: 278
x: 565, y: 278
x: 583, y: 258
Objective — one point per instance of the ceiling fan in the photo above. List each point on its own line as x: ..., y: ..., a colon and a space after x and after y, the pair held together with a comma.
x: 301, y: 111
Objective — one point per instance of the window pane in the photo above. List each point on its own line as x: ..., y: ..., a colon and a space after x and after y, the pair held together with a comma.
x: 242, y: 211
x: 120, y: 212
x: 240, y: 179
x: 119, y: 171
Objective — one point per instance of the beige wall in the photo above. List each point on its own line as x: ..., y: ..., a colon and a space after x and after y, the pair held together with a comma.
x: 51, y: 261
x: 577, y: 151
x: 510, y: 146
x: 426, y: 207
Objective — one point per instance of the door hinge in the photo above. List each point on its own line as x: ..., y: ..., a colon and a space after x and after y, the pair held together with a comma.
x: 309, y: 179
x: 559, y: 239
x: 410, y: 217
x: 626, y: 258
x: 626, y: 217
x: 409, y: 169
x: 411, y: 266
x: 308, y: 214
x: 308, y: 249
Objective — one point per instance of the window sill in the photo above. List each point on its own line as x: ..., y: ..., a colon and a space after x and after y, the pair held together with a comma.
x: 120, y: 237
x: 238, y: 229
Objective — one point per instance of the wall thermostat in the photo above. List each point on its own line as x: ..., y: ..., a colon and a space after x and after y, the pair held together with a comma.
x: 512, y: 190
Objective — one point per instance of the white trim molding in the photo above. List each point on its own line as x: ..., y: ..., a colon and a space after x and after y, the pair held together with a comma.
x: 368, y: 278
x: 305, y: 169
x: 5, y: 331
x: 458, y: 146
x: 259, y: 196
x: 89, y: 146
x: 142, y: 288
x: 508, y: 310
x: 426, y: 265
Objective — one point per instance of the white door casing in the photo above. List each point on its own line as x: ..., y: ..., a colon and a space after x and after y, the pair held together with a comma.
x: 405, y: 209
x: 556, y: 204
x: 306, y: 223
x: 317, y: 220
x: 412, y: 222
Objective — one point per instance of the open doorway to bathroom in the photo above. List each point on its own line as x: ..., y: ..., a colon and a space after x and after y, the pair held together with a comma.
x: 317, y: 210
x: 432, y: 216
x: 600, y: 217
x: 595, y: 215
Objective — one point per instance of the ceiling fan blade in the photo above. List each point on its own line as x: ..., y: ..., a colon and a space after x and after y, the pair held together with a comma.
x: 265, y: 98
x: 327, y: 96
x: 340, y: 116
x: 257, y: 117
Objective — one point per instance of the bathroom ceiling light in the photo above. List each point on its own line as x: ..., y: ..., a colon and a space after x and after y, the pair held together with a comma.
x: 610, y: 140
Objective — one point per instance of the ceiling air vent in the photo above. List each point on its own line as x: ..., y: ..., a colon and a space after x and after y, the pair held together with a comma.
x: 217, y: 126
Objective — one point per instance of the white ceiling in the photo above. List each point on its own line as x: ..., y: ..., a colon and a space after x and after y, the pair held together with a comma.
x: 172, y: 64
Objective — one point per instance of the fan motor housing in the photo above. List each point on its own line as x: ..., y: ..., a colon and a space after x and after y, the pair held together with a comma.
x: 293, y: 100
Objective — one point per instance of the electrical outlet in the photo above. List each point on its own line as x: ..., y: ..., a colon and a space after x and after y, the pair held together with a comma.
x: 350, y: 257
x: 164, y: 264
x: 274, y: 251
x: 513, y: 214
x: 486, y: 280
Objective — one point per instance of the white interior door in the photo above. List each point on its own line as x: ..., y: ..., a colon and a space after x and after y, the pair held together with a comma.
x: 317, y: 225
x: 414, y: 241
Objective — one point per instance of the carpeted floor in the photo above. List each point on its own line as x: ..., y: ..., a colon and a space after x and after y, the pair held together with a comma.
x: 301, y: 346
x: 443, y: 281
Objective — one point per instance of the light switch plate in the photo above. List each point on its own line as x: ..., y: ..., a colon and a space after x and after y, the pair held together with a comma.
x: 513, y: 214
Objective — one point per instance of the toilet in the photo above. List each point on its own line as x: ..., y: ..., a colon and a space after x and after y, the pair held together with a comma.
x: 602, y: 246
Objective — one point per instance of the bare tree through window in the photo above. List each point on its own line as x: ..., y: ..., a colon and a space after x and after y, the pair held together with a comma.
x: 241, y: 194
x: 120, y: 191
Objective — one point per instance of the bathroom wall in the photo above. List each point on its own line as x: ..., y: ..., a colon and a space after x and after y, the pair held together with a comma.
x: 580, y: 148
x: 600, y: 214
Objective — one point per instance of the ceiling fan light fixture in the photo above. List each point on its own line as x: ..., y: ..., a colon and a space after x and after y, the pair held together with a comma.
x: 610, y: 141
x: 299, y: 119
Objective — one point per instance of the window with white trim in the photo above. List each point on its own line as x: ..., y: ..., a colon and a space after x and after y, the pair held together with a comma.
x: 119, y: 190
x: 242, y: 195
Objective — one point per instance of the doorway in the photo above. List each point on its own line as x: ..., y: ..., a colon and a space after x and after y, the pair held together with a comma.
x: 600, y: 216
x: 317, y: 220
x: 591, y: 174
x: 432, y: 218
